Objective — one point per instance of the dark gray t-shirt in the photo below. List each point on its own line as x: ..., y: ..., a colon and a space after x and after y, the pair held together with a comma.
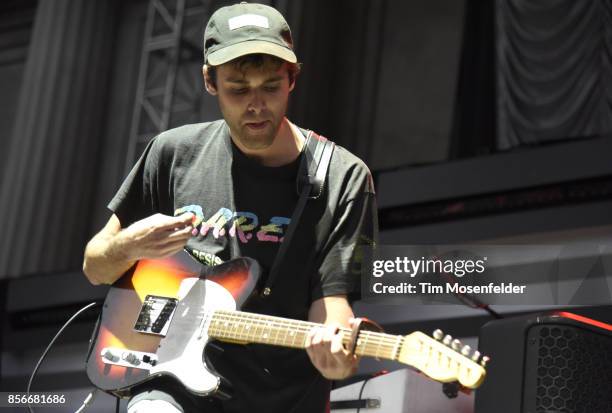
x: 247, y: 208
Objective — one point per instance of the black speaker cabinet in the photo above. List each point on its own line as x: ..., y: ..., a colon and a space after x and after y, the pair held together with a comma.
x: 546, y: 363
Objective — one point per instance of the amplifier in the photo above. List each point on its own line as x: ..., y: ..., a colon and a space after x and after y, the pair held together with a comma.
x: 559, y: 362
x: 401, y: 391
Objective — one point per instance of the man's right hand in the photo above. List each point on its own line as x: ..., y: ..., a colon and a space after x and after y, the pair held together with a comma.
x: 157, y: 236
x: 114, y: 249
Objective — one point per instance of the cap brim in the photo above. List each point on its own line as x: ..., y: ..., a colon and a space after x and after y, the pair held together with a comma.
x: 250, y: 47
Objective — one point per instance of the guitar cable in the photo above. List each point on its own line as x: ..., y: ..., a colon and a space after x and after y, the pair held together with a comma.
x: 91, y: 395
x: 361, y: 390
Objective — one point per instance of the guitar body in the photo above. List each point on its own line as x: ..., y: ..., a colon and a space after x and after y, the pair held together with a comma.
x: 155, y: 321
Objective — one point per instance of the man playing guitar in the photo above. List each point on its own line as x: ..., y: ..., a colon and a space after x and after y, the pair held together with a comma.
x: 227, y: 188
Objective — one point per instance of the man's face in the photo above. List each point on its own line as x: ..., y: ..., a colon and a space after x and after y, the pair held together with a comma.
x: 253, y: 101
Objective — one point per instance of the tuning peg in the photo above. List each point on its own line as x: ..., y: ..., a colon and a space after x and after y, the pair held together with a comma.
x: 438, y: 334
x: 484, y: 361
x: 476, y: 356
x: 466, y: 350
x: 455, y: 344
x: 447, y: 339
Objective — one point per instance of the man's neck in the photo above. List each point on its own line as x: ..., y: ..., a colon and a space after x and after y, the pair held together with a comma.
x: 285, y: 149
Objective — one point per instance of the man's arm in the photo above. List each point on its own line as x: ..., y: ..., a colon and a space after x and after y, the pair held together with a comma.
x: 324, y: 345
x: 113, y: 250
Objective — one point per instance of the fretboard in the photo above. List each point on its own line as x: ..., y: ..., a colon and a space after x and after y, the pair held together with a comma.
x: 263, y: 329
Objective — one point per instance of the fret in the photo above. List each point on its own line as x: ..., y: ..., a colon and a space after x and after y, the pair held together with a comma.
x: 294, y: 336
x: 258, y: 331
x: 365, y: 342
x: 390, y: 348
x: 289, y: 333
x: 234, y: 329
x: 266, y: 334
x: 275, y: 339
x: 225, y: 325
x: 298, y: 338
x: 285, y: 333
x: 252, y: 331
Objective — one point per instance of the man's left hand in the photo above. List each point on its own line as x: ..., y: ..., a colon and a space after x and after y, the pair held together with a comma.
x: 327, y: 353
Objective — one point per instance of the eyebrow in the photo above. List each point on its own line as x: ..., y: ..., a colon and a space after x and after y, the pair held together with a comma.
x: 244, y: 82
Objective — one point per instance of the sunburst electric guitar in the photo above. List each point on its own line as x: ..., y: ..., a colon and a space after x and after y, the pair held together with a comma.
x: 159, y: 317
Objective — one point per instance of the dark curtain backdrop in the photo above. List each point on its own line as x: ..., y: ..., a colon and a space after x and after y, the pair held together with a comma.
x: 554, y: 71
x: 473, y: 128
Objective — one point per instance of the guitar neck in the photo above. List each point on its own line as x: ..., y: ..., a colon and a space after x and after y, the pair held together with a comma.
x: 243, y: 327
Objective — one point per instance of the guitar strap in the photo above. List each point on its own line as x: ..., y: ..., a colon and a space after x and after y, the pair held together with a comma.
x: 309, y: 185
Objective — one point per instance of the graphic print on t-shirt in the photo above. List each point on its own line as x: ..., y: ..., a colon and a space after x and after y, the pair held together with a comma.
x: 240, y: 224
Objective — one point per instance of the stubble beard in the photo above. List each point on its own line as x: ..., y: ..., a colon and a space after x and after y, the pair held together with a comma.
x: 257, y: 141
x: 254, y: 140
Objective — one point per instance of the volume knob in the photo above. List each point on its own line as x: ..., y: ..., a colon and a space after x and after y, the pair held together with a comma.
x: 130, y: 358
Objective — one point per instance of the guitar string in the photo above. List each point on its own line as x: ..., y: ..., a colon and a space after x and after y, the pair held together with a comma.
x: 277, y: 322
x: 272, y: 322
x: 269, y: 325
x: 298, y: 326
x: 381, y: 341
x: 270, y: 329
x: 373, y: 343
x: 297, y: 342
x: 391, y: 348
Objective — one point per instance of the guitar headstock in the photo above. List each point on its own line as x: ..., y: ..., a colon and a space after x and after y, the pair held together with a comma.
x: 443, y: 359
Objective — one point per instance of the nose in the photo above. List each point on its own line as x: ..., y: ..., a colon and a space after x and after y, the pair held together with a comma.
x: 257, y: 103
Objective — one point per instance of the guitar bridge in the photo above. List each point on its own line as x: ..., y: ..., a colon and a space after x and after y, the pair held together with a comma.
x: 155, y: 315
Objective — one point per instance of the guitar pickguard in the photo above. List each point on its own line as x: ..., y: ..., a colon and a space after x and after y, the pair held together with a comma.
x: 180, y: 352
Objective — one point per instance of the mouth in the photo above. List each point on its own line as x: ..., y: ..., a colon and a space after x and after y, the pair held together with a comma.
x: 257, y: 125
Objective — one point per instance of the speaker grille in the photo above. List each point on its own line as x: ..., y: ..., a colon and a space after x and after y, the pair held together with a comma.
x: 574, y: 370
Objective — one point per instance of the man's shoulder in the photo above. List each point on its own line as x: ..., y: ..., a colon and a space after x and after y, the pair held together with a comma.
x: 344, y: 164
x: 189, y: 134
x: 347, y: 170
x: 343, y: 158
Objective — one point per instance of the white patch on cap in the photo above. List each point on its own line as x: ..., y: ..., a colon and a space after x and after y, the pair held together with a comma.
x: 248, y: 20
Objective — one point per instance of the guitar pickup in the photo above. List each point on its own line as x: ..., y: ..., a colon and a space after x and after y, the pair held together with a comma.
x: 155, y: 315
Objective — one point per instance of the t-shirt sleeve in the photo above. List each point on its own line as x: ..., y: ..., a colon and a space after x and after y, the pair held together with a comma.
x: 355, y: 227
x: 138, y: 196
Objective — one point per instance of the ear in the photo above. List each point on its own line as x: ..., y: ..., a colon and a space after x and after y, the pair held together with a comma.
x: 291, y: 81
x: 210, y: 88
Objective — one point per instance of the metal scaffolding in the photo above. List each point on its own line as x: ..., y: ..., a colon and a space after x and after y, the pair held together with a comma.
x: 169, y: 81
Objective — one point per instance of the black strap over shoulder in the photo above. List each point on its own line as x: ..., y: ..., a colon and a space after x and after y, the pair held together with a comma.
x: 317, y: 155
x: 309, y: 185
